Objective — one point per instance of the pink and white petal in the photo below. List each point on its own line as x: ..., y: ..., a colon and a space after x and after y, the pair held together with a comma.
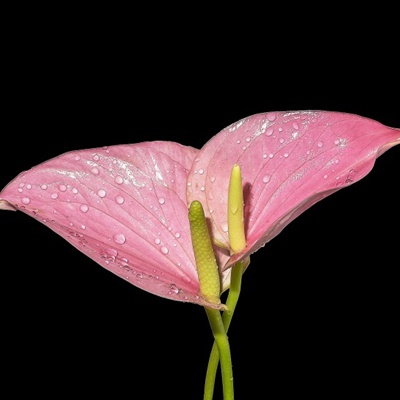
x: 289, y: 161
x: 123, y: 206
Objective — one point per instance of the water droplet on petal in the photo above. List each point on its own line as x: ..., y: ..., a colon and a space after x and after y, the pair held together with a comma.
x: 157, y: 241
x: 62, y: 188
x: 161, y: 200
x: 212, y: 179
x: 96, y: 157
x: 224, y: 226
x: 119, y: 199
x: 269, y: 131
x: 83, y: 227
x: 119, y: 238
x: 77, y: 158
x: 26, y: 200
x: 119, y: 179
x: 266, y: 178
x: 164, y: 250
x: 95, y: 171
x: 286, y: 155
x: 54, y: 196
x: 174, y: 289
x: 295, y: 125
x: 271, y: 116
x: 201, y: 171
x: 177, y: 235
x: 320, y: 144
x: 84, y: 208
x: 101, y: 193
x: 44, y: 186
x: 74, y: 190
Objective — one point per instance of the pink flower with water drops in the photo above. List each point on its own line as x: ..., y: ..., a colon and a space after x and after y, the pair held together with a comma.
x: 126, y: 206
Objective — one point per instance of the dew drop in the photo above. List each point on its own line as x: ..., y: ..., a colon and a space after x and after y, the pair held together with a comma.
x: 265, y: 156
x: 101, y: 193
x: 84, y: 208
x: 238, y: 141
x: 20, y: 190
x: 157, y: 241
x: 174, y: 289
x: 95, y: 171
x: 161, y: 200
x: 202, y: 188
x: 201, y: 171
x: 26, y: 200
x: 119, y: 238
x: 118, y: 179
x: 83, y: 227
x: 295, y: 125
x: 177, y: 235
x: 54, y: 196
x: 286, y: 155
x: 77, y: 158
x: 325, y: 176
x: 320, y: 144
x: 248, y: 139
x: 266, y: 178
x: 212, y: 179
x: 74, y: 190
x: 119, y: 199
x: 29, y: 186
x: 62, y: 188
x: 164, y: 250
x: 271, y: 116
x: 44, y: 186
x: 224, y: 226
x: 271, y: 155
x: 96, y: 157
x: 269, y: 131
x: 281, y: 140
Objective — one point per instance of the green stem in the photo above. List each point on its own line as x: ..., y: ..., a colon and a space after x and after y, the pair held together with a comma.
x: 224, y: 351
x: 233, y: 297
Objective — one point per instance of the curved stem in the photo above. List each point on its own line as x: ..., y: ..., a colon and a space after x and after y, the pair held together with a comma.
x: 233, y: 297
x: 224, y: 351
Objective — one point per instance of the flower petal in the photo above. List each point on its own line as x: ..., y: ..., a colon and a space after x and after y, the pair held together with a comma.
x: 123, y: 206
x: 289, y: 161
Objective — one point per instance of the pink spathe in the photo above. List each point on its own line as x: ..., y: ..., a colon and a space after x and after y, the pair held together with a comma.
x: 126, y: 206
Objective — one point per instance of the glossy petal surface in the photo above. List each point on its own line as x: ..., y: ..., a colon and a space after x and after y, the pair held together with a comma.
x: 123, y: 206
x: 289, y: 161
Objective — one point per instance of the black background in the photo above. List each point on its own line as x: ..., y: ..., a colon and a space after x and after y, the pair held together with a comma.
x: 319, y: 303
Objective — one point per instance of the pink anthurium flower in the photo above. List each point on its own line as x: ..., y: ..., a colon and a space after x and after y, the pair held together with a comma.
x: 126, y: 206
